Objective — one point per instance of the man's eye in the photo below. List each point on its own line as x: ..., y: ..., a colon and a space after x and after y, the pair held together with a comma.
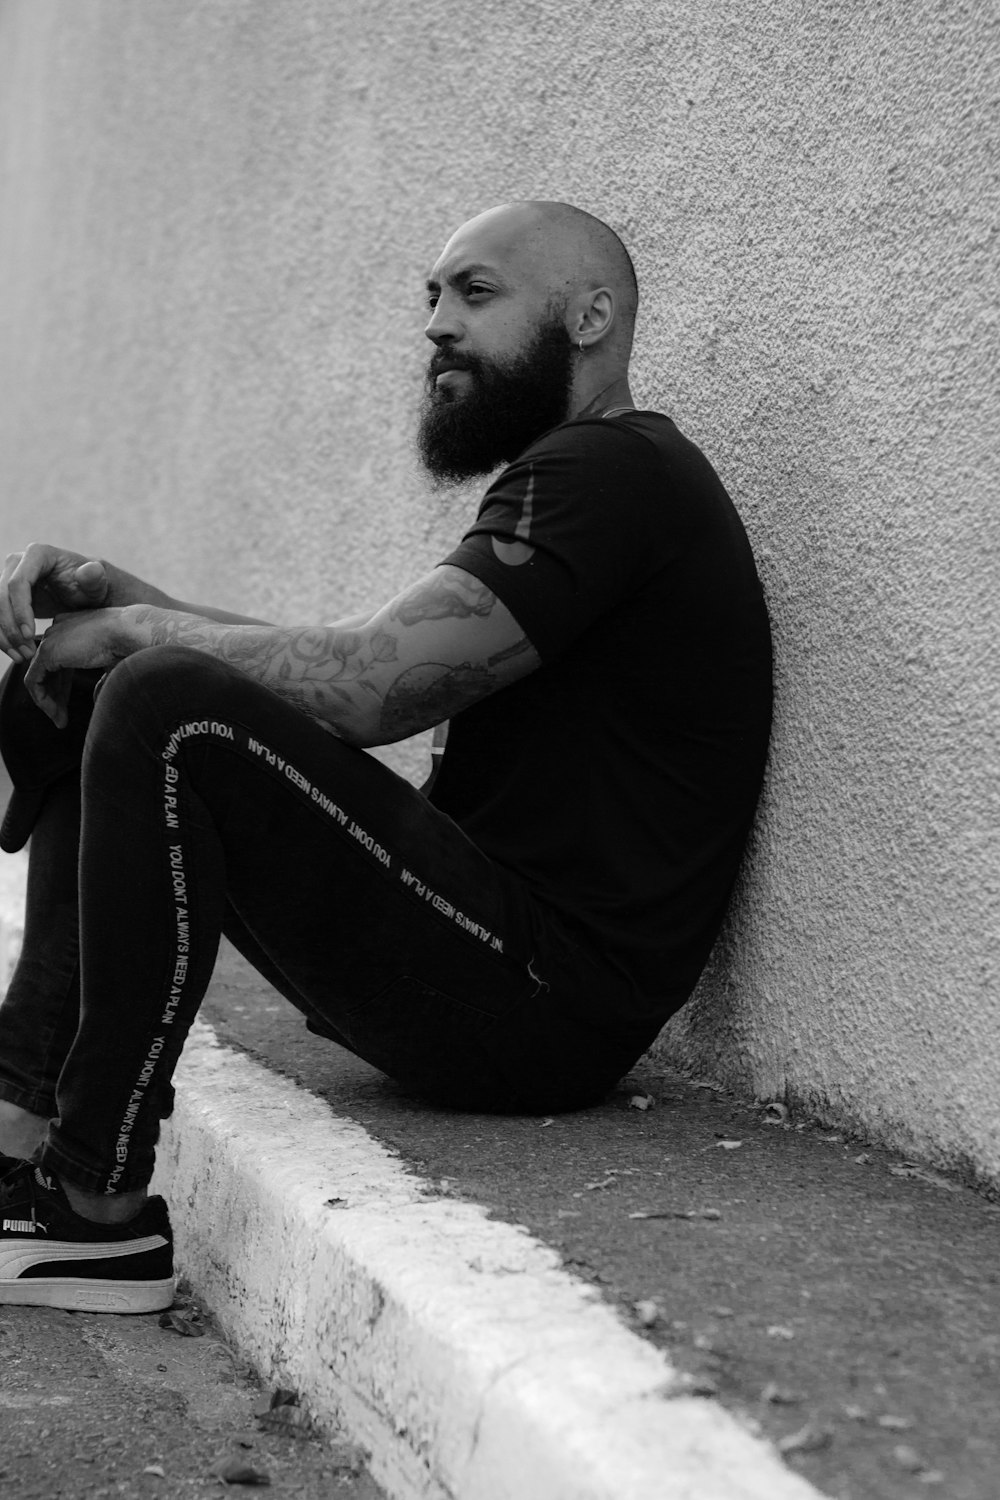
x: 477, y: 290
x: 432, y: 301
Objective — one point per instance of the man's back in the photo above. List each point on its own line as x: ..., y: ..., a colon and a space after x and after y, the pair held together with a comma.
x: 620, y: 778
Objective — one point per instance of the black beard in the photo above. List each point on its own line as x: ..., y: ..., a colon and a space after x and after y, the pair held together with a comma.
x: 508, y: 405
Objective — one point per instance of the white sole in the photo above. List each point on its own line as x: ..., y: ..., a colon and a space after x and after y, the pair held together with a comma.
x: 88, y: 1294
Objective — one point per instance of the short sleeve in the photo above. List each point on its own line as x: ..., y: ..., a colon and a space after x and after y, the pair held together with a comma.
x: 569, y: 530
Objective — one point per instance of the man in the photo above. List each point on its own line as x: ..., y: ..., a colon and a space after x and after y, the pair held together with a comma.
x: 514, y: 939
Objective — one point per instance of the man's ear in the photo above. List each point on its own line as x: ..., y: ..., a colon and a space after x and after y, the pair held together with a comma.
x: 594, y: 316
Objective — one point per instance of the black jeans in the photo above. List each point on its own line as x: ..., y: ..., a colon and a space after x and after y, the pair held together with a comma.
x: 206, y: 804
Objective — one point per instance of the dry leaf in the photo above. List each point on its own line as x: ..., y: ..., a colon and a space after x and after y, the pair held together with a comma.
x: 184, y: 1321
x: 780, y: 1331
x: 809, y: 1439
x: 777, y: 1395
x: 641, y: 1101
x: 292, y: 1420
x: 895, y: 1424
x: 908, y: 1458
x: 676, y: 1213
x: 234, y: 1469
x: 347, y: 1457
x: 775, y: 1113
x: 922, y: 1174
x: 729, y: 1145
x: 684, y: 1384
x: 647, y: 1312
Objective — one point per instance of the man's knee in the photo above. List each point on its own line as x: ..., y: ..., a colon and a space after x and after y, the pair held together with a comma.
x: 161, y: 674
x: 154, y: 689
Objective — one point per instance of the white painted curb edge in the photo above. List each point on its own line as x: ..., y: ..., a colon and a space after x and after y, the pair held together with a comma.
x: 452, y: 1346
x: 455, y: 1348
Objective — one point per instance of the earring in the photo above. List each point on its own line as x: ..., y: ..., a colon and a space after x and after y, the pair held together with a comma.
x: 582, y: 349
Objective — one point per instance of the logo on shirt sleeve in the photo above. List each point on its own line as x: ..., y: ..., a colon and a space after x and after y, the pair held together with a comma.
x: 519, y: 551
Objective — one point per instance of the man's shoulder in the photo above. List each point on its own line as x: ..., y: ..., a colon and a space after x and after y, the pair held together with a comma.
x: 615, y: 428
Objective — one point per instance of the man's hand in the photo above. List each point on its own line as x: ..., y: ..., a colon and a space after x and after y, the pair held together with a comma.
x: 43, y: 582
x: 89, y: 638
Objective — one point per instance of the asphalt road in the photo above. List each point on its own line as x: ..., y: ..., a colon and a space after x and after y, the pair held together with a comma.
x: 96, y: 1406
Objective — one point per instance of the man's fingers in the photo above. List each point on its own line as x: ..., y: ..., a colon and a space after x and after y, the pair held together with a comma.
x: 92, y: 578
x: 50, y: 689
x: 45, y: 579
x: 17, y: 628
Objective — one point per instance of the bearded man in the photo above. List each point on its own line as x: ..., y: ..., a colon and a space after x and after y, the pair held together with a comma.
x: 513, y: 938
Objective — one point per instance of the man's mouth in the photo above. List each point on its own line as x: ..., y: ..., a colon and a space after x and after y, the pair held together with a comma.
x: 445, y: 365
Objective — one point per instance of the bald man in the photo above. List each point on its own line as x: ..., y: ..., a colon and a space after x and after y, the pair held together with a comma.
x: 510, y: 939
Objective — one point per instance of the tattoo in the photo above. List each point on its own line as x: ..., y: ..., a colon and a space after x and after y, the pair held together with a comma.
x: 431, y: 692
x: 312, y: 668
x: 348, y: 679
x: 447, y: 594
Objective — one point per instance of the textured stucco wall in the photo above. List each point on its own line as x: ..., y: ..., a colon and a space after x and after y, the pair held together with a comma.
x: 215, y: 219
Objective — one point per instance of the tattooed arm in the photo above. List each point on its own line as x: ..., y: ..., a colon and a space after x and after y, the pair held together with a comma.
x: 43, y: 581
x: 439, y: 646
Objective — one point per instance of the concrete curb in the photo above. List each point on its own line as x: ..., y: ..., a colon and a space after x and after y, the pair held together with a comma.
x: 452, y: 1346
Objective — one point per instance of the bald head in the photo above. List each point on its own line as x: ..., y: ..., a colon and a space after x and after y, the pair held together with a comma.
x: 565, y: 254
x: 585, y: 250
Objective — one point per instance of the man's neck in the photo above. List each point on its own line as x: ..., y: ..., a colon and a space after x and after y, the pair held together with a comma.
x: 613, y: 395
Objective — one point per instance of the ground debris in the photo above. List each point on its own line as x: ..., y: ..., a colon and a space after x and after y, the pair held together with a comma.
x: 641, y: 1101
x: 777, y: 1395
x: 895, y: 1424
x: 232, y: 1468
x: 156, y: 1469
x: 675, y: 1213
x: 924, y: 1174
x: 683, y: 1383
x: 282, y: 1413
x: 183, y: 1320
x: 811, y: 1438
x: 728, y: 1145
x: 909, y: 1459
x: 347, y: 1458
x: 780, y: 1331
x: 647, y: 1312
x: 775, y: 1113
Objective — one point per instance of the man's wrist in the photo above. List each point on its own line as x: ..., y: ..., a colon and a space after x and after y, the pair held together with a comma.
x: 137, y: 627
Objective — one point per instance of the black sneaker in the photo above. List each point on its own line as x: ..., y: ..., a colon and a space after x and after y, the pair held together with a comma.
x: 52, y: 1257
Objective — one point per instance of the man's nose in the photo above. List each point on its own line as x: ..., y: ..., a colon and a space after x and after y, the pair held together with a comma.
x: 442, y: 327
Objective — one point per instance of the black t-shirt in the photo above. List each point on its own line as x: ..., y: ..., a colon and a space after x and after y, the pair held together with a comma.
x: 619, y: 779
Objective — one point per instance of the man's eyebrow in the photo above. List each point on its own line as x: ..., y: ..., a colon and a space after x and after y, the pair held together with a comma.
x: 466, y: 273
